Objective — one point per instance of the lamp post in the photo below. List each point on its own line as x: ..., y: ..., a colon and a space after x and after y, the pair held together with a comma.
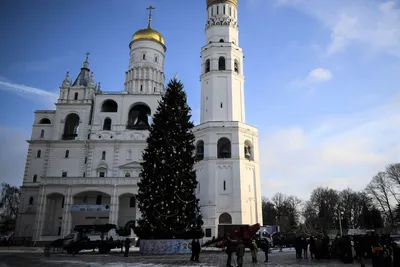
x: 340, y: 223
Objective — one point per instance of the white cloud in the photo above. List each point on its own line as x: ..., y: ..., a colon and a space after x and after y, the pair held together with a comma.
x: 31, y: 93
x: 314, y: 77
x: 339, y: 152
x: 371, y: 23
x: 13, y: 154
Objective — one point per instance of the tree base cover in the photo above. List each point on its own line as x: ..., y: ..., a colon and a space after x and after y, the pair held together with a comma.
x: 165, y: 246
x: 145, y: 234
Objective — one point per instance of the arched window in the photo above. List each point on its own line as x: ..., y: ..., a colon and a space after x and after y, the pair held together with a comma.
x: 221, y: 40
x: 225, y: 218
x: 224, y: 185
x: 71, y: 127
x: 99, y: 198
x: 109, y: 106
x: 132, y: 202
x: 221, y: 63
x: 156, y: 58
x: 107, y: 124
x: 31, y: 201
x: 66, y: 153
x: 199, y: 150
x: 144, y: 56
x: 138, y: 117
x: 41, y: 133
x: 248, y: 151
x: 224, y: 148
x: 207, y: 66
x: 236, y: 66
x: 34, y: 179
x: 127, y: 174
x: 103, y: 155
x: 76, y: 96
x: 45, y: 121
x: 39, y: 153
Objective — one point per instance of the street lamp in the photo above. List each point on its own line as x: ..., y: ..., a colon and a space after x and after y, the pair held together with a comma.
x: 340, y: 222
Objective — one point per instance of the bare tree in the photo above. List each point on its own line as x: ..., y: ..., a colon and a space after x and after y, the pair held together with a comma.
x: 380, y: 190
x: 325, y: 201
x: 286, y: 210
x: 9, y: 200
x: 393, y: 175
x: 269, y: 212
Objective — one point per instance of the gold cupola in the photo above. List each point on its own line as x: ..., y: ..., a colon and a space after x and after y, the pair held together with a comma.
x: 148, y: 33
x: 213, y: 2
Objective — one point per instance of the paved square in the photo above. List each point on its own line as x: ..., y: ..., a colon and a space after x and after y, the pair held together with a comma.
x: 15, y: 258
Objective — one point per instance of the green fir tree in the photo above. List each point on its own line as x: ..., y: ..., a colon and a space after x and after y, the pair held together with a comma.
x: 167, y: 186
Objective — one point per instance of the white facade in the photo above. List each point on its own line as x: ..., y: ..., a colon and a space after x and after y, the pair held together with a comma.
x: 228, y: 169
x: 87, y: 151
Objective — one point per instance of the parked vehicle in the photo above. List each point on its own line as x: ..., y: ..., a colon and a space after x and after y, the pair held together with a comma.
x: 235, y: 233
x: 88, y: 237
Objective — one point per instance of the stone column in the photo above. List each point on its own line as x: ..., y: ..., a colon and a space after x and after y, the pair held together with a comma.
x: 66, y: 229
x: 42, y: 215
x: 111, y: 219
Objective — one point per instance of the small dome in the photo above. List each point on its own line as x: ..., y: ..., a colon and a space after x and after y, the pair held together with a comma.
x: 213, y: 2
x: 148, y: 34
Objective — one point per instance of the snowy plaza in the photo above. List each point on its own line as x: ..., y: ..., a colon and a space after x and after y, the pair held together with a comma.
x: 16, y: 258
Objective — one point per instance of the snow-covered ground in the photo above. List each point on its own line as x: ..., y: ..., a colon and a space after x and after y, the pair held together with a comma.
x: 86, y: 264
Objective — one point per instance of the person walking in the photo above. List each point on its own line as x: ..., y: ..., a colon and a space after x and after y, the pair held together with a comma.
x: 305, y: 247
x: 127, y: 245
x: 298, y: 247
x: 195, y: 250
x: 360, y: 248
x: 230, y: 248
x: 265, y: 247
x: 240, y: 253
x: 312, y: 247
x: 254, y: 251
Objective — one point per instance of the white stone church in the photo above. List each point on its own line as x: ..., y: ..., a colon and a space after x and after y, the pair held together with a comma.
x: 83, y: 159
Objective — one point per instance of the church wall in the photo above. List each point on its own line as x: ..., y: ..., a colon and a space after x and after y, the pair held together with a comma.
x: 71, y: 164
x: 238, y: 100
x: 126, y: 212
x: 151, y: 49
x: 82, y: 110
x: 54, y: 215
x: 35, y: 164
x: 125, y: 103
x: 27, y: 212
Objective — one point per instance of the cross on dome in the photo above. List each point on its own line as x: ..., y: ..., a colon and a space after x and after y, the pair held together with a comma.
x: 150, y: 9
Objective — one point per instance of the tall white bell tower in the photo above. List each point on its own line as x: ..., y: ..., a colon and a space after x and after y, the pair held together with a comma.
x: 227, y: 148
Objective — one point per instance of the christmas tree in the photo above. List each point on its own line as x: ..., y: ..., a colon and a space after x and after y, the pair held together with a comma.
x: 167, y: 186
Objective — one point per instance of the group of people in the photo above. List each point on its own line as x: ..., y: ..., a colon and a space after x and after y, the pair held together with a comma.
x: 382, y: 251
x: 318, y: 247
x: 238, y: 247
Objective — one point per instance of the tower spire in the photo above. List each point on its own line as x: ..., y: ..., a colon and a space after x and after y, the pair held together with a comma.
x: 150, y: 9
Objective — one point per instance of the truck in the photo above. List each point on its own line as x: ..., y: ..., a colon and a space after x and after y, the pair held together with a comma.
x: 234, y: 232
x: 89, y: 237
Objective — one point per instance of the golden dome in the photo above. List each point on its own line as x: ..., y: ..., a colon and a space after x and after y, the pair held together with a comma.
x: 213, y: 2
x: 148, y: 34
